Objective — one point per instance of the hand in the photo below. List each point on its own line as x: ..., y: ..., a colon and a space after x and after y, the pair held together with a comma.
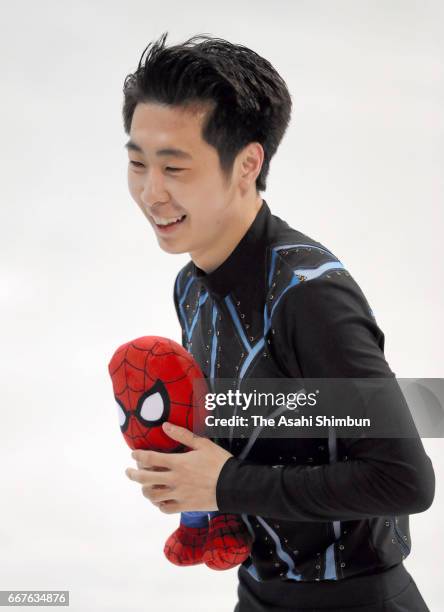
x: 180, y: 482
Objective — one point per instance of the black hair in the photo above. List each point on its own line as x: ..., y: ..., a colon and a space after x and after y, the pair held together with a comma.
x: 247, y: 99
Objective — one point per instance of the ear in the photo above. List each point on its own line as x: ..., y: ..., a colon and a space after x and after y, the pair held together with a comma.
x: 251, y: 161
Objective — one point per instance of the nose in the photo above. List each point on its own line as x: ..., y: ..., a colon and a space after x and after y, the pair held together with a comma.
x: 153, y: 192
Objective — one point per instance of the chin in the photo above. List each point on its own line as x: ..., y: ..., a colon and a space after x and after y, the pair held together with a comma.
x: 173, y: 249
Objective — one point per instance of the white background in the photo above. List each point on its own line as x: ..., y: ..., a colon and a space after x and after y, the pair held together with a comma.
x: 360, y: 170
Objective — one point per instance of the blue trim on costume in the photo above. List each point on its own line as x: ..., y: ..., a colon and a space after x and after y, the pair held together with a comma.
x: 284, y: 556
x: 237, y: 323
x: 189, y: 329
x: 213, y: 342
x: 202, y: 300
x: 272, y: 266
x: 253, y: 572
x: 302, y: 246
x: 330, y: 565
x: 267, y: 319
x: 311, y: 273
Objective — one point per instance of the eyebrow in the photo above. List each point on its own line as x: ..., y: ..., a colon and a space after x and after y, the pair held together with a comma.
x: 170, y: 152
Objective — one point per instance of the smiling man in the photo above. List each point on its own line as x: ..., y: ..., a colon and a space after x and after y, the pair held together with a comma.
x: 193, y: 207
x: 259, y: 299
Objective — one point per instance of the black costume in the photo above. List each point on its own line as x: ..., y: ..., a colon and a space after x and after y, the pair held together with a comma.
x: 282, y: 305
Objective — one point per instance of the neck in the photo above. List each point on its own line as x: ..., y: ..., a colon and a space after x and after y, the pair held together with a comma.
x: 241, y: 217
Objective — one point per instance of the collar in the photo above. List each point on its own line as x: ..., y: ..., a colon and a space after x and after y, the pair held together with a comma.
x: 243, y: 260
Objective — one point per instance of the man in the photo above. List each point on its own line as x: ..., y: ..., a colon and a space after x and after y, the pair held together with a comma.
x: 259, y: 299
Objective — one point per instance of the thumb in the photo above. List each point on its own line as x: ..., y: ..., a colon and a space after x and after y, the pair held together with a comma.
x: 181, y: 434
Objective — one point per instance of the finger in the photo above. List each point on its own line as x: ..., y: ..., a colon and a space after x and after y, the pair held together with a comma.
x: 185, y: 436
x: 155, y: 468
x: 149, y: 477
x: 156, y: 495
x: 153, y: 459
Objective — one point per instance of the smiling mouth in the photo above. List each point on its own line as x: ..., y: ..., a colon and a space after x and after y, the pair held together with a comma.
x: 163, y: 222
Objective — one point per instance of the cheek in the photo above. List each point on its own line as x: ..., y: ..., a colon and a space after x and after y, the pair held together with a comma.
x: 134, y: 185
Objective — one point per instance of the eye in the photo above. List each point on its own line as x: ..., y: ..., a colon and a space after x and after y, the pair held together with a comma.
x: 171, y: 169
x: 136, y: 164
x: 121, y: 415
x: 152, y: 407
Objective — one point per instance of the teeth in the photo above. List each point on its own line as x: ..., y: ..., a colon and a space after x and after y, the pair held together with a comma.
x: 165, y: 221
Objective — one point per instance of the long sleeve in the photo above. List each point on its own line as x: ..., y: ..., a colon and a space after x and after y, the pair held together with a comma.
x: 323, y: 328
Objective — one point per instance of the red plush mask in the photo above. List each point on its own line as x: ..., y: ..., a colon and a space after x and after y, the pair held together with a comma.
x: 153, y: 382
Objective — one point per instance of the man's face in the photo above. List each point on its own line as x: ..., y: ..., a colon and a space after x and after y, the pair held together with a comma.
x: 186, y: 183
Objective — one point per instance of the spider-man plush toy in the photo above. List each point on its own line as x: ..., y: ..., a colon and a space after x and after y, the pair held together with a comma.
x: 152, y: 380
